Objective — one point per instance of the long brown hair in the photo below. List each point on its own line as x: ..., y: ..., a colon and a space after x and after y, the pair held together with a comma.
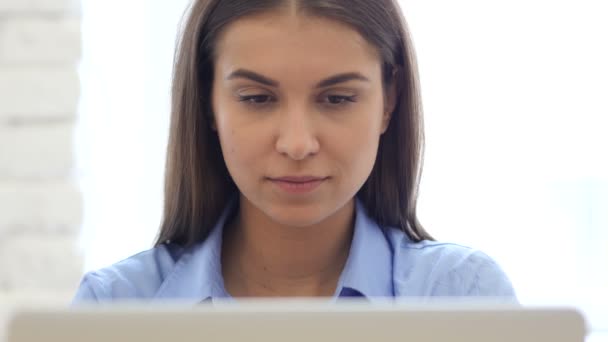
x: 198, y: 185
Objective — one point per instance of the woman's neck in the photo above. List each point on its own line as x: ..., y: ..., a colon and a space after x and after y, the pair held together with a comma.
x: 262, y: 258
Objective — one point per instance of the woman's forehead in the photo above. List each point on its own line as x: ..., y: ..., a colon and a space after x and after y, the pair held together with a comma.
x: 280, y: 43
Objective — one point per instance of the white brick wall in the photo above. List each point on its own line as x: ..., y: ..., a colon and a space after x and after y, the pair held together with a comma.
x: 38, y: 92
x: 53, y: 272
x: 40, y: 205
x: 36, y: 151
x: 39, y: 6
x: 39, y: 40
x: 37, y: 206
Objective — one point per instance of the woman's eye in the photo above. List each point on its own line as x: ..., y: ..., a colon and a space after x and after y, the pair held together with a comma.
x: 256, y: 99
x: 340, y: 99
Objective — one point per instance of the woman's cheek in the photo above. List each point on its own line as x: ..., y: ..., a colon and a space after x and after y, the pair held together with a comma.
x: 243, y: 146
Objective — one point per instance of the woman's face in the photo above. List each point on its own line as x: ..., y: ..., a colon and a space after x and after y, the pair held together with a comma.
x: 299, y: 107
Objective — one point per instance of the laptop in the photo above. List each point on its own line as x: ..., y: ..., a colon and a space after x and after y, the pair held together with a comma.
x: 298, y: 321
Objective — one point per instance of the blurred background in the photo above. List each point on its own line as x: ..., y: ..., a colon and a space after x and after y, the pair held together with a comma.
x: 516, y: 110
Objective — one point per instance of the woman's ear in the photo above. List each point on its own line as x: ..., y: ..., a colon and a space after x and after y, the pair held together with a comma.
x: 390, y: 100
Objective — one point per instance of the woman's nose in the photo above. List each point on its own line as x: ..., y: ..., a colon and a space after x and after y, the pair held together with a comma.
x: 296, y: 136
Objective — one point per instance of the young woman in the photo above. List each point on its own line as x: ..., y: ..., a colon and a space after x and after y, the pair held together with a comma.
x: 293, y: 164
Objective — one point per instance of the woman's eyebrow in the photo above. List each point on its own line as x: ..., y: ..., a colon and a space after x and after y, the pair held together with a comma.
x: 341, y: 78
x: 333, y: 80
x: 253, y: 76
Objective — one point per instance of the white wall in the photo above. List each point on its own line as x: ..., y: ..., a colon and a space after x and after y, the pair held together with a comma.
x: 40, y: 204
x: 126, y: 72
x: 516, y: 110
x: 516, y: 105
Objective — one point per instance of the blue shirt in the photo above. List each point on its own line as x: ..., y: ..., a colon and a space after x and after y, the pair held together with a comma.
x: 381, y: 263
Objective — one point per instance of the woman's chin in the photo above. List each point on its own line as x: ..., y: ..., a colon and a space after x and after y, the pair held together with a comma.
x: 298, y: 216
x: 298, y: 221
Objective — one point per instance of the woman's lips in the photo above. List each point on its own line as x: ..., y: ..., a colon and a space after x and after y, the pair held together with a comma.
x: 298, y: 184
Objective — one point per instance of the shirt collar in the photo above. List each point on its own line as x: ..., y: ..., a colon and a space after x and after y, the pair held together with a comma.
x: 369, y: 266
x: 197, y: 276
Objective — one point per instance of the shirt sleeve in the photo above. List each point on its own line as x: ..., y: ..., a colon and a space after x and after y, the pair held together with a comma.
x: 90, y: 290
x: 486, y: 278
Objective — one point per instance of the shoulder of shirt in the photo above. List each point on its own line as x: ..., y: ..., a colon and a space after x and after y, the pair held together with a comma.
x: 137, y: 277
x: 431, y: 268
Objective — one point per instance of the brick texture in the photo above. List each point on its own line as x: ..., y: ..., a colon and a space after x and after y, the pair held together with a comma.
x: 35, y: 152
x: 34, y: 261
x: 38, y: 6
x: 40, y: 202
x: 46, y: 40
x: 39, y: 207
x: 35, y: 92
